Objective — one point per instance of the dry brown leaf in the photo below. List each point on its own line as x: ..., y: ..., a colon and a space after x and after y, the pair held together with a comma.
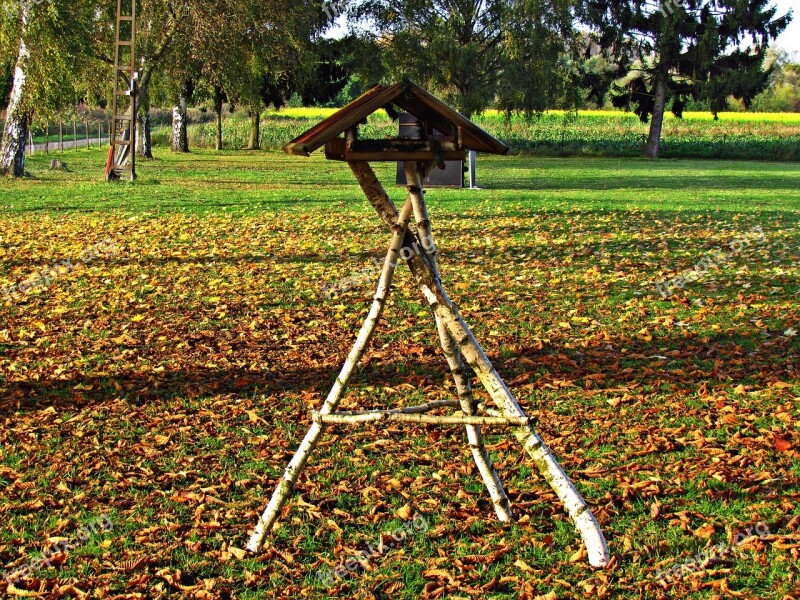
x: 404, y: 512
x: 705, y: 531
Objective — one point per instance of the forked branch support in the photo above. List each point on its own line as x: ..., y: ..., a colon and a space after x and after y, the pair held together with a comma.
x: 460, y: 347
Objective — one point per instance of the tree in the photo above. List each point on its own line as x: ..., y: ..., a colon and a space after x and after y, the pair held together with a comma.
x: 239, y: 50
x: 159, y: 24
x: 475, y: 51
x: 334, y: 69
x: 47, y: 74
x: 279, y: 59
x: 707, y: 50
x: 783, y: 92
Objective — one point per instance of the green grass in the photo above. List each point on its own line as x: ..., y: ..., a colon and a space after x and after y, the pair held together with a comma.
x: 735, y: 135
x: 252, y: 182
x: 169, y: 384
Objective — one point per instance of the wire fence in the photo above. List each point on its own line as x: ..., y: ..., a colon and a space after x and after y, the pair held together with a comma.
x: 61, y: 136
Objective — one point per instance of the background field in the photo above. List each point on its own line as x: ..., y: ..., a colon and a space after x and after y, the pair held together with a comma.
x: 760, y: 136
x: 169, y: 383
x: 764, y: 136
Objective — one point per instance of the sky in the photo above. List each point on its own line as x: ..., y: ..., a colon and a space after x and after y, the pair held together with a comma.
x: 789, y: 40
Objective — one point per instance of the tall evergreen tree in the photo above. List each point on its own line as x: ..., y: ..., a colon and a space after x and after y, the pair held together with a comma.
x: 707, y: 50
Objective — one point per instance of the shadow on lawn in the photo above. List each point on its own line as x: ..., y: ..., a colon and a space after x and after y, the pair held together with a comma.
x: 684, y: 366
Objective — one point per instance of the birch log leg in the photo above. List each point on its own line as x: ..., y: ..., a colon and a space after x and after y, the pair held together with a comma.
x: 480, y: 455
x: 308, y: 444
x: 415, y: 173
x: 443, y: 307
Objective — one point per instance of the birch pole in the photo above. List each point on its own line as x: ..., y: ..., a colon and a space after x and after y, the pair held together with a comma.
x: 480, y: 455
x: 445, y: 309
x: 308, y: 444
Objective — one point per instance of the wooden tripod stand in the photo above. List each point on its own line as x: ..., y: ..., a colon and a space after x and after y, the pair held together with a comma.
x: 415, y: 245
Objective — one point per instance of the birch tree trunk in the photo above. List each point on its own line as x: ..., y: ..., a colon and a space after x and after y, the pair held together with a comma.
x: 657, y: 119
x: 255, y: 130
x: 18, y: 119
x: 144, y: 140
x: 180, y: 135
x: 444, y: 308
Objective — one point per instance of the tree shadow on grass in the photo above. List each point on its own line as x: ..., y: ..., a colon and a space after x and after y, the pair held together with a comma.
x: 684, y: 366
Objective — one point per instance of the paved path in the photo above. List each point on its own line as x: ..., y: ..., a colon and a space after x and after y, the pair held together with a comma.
x: 68, y: 145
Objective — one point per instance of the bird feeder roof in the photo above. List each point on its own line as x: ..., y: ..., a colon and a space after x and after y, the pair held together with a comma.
x: 411, y: 98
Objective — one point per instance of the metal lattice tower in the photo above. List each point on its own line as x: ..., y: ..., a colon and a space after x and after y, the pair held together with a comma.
x: 122, y: 155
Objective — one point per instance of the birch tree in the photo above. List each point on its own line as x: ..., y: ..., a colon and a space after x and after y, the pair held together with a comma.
x: 51, y: 44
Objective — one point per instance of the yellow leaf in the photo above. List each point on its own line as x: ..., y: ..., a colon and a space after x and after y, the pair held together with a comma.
x: 137, y: 318
x: 579, y: 555
x: 405, y: 512
x: 705, y: 531
x: 523, y: 566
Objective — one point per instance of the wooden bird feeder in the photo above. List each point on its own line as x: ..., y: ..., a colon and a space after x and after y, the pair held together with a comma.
x: 413, y: 243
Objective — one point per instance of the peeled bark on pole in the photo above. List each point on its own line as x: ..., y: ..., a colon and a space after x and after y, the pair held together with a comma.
x: 180, y: 134
x: 477, y: 446
x: 15, y: 132
x: 298, y: 462
x: 475, y: 440
x: 657, y: 119
x: 443, y: 307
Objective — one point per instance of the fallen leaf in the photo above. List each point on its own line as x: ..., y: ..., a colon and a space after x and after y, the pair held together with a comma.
x: 705, y: 531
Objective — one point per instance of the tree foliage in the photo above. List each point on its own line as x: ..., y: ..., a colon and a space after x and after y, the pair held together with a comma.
x: 58, y: 38
x: 707, y: 50
x: 474, y: 52
x: 783, y: 92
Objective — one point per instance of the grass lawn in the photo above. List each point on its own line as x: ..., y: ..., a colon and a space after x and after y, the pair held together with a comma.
x: 164, y: 378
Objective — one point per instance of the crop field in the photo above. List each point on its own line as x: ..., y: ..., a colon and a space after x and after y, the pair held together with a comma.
x: 155, y: 383
x: 760, y: 136
x: 748, y: 136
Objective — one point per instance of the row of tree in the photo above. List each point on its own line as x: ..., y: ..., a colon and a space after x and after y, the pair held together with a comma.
x: 521, y: 56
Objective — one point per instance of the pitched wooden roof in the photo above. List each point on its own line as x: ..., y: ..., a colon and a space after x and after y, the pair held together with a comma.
x: 411, y: 98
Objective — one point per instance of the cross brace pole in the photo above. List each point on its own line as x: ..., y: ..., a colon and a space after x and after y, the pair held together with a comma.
x: 461, y: 349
